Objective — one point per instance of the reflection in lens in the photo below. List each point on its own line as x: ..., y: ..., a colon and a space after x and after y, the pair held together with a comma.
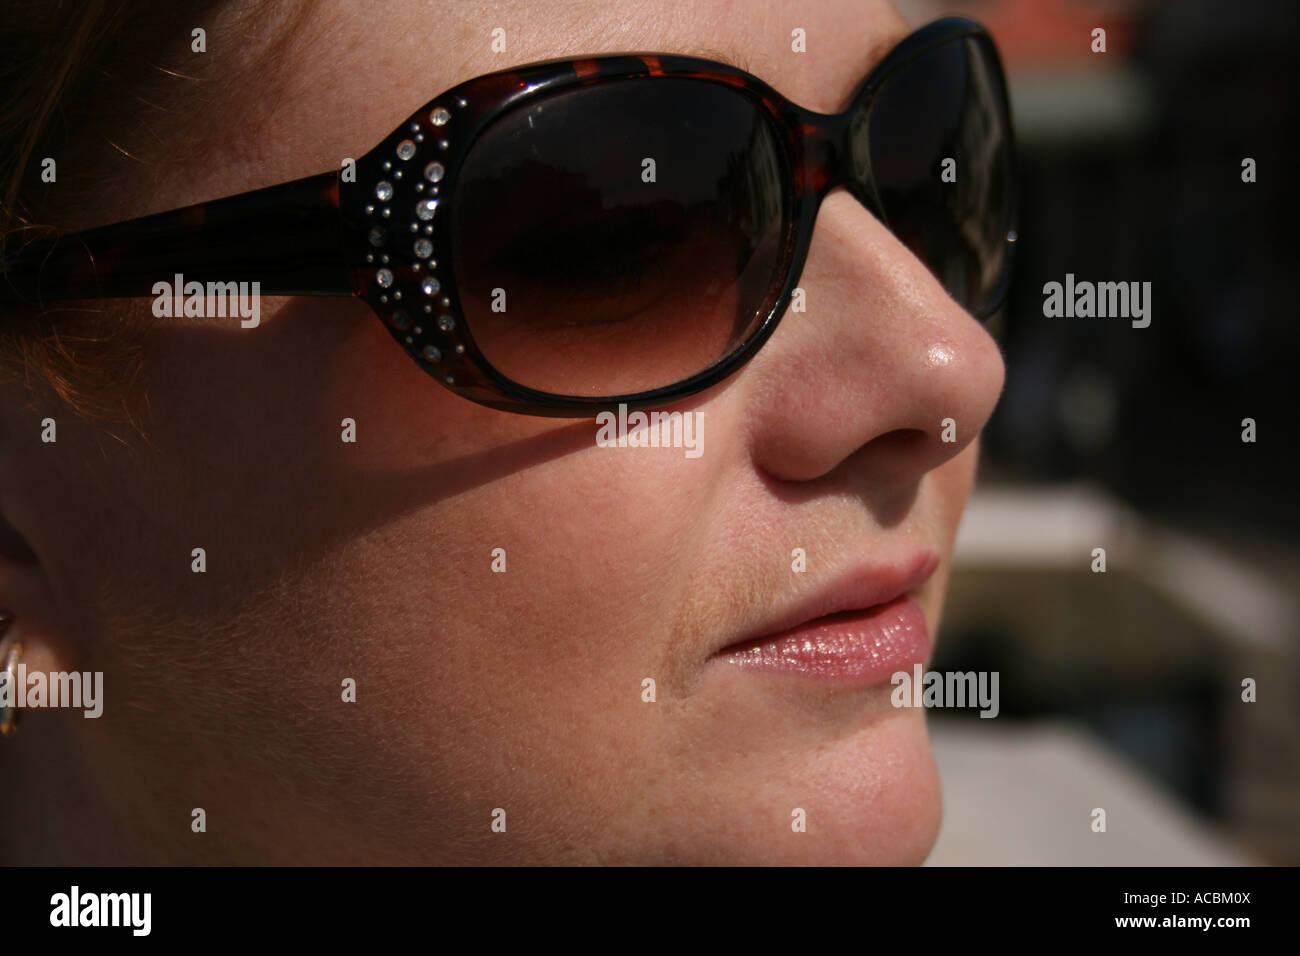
x: 619, y: 237
x: 947, y: 104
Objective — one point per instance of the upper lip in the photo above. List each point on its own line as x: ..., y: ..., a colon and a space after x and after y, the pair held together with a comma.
x: 857, y: 589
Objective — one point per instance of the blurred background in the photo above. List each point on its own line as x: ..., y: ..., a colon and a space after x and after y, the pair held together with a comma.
x: 1123, y: 690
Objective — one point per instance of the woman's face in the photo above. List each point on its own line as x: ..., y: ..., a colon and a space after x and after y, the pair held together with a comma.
x: 374, y: 560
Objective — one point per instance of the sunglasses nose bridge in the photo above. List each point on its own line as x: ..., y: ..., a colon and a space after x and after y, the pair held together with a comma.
x: 836, y: 153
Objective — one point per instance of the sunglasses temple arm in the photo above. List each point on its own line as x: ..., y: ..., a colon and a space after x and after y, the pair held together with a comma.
x: 289, y: 238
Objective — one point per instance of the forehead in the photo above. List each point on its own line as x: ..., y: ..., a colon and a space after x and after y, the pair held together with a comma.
x: 332, y: 84
x: 402, y: 55
x: 838, y: 40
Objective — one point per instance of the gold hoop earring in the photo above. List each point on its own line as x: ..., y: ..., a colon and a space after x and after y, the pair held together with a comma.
x: 9, y: 658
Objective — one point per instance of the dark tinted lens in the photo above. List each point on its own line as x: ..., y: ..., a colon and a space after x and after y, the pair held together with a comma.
x: 947, y: 104
x: 620, y: 237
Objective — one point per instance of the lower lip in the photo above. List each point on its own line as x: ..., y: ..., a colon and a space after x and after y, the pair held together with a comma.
x: 859, y: 647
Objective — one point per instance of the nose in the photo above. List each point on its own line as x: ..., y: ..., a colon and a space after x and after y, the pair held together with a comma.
x: 883, y: 367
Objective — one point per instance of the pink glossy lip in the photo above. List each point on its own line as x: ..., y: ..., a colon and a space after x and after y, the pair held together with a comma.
x: 861, y: 632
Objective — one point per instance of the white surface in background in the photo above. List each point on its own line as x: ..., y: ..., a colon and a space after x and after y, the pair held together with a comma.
x: 1057, y: 528
x: 1044, y: 526
x: 1023, y: 795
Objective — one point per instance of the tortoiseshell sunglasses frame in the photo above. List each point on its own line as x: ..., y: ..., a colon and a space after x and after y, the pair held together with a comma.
x: 312, y: 236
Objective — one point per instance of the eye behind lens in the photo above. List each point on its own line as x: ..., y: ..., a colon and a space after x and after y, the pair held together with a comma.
x: 619, y: 237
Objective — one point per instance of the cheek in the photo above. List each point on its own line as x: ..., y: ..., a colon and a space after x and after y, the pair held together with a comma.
x: 509, y: 628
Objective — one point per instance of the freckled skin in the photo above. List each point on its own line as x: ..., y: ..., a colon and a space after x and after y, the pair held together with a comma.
x: 373, y: 560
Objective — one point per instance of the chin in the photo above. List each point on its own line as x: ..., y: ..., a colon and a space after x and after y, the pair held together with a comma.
x: 869, y: 792
x: 873, y: 799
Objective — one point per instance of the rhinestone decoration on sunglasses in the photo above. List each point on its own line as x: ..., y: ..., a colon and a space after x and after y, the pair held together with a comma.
x: 404, y: 286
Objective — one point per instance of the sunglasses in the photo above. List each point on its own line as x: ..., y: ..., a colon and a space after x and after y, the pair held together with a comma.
x: 628, y: 229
